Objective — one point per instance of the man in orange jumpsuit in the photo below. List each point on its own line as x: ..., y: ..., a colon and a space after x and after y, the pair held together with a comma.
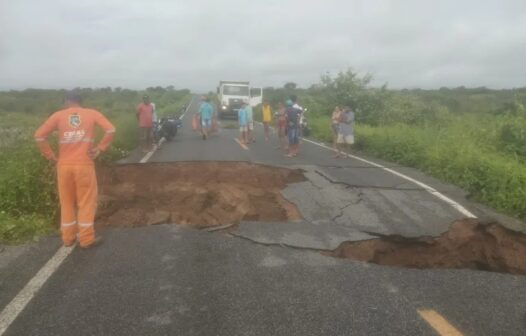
x: 77, y: 181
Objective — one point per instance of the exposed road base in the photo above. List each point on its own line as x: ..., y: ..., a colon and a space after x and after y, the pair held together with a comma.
x: 467, y: 244
x: 205, y: 194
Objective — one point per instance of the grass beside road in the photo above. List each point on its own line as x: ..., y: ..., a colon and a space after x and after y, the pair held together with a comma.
x: 472, y: 137
x: 457, y: 154
x: 28, y: 199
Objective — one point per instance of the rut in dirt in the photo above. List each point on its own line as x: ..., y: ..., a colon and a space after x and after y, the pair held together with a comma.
x: 467, y: 244
x: 198, y: 194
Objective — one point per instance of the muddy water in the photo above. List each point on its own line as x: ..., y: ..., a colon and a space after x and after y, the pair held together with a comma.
x: 200, y: 194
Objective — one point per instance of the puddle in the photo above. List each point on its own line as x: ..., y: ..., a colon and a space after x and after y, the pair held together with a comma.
x: 198, y: 194
x: 467, y: 244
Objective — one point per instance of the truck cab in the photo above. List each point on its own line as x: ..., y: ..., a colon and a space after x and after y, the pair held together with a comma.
x: 232, y: 94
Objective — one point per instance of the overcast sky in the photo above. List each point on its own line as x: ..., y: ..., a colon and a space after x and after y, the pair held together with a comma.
x: 194, y: 44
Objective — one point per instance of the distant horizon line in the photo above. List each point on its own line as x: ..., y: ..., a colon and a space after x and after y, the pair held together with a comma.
x: 196, y: 91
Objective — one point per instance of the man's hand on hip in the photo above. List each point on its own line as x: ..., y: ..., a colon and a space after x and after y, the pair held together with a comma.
x: 94, y: 153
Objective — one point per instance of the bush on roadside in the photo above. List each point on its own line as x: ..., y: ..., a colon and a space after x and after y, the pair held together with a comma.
x: 474, y: 138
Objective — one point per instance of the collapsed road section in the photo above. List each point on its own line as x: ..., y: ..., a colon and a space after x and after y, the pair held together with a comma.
x: 313, y: 214
x: 198, y: 194
x: 467, y: 244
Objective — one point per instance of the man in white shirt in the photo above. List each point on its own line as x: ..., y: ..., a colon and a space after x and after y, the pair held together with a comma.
x: 154, y: 113
x: 295, y: 105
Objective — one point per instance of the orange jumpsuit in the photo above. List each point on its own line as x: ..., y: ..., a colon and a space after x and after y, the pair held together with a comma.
x: 77, y: 181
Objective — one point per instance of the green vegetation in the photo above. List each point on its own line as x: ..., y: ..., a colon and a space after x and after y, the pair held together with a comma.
x: 28, y: 200
x: 474, y: 138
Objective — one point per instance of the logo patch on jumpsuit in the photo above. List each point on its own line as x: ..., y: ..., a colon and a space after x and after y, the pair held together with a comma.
x: 74, y: 120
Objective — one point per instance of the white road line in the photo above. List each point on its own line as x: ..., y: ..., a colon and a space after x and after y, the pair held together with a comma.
x: 20, y: 301
x: 424, y: 186
x: 157, y: 146
x: 154, y: 149
x: 186, y: 110
x: 242, y: 145
x: 17, y: 305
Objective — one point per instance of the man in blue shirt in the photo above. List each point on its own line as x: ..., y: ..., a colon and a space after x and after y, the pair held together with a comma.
x: 242, y: 118
x: 205, y: 112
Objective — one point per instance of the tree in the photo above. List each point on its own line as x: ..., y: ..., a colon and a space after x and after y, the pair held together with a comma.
x: 347, y: 88
x: 290, y: 86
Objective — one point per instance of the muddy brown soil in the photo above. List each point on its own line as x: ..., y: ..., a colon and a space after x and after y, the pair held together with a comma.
x: 467, y: 244
x: 198, y: 194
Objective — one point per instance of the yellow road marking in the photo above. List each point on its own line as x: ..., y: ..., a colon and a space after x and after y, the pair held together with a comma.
x: 241, y: 144
x: 439, y: 323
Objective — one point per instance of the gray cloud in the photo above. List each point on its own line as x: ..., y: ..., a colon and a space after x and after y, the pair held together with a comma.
x: 406, y: 43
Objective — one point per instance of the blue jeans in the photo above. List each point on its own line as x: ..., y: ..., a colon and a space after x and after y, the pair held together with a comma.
x: 293, y: 134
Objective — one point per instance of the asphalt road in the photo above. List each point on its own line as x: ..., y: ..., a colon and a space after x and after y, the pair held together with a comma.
x: 269, y: 279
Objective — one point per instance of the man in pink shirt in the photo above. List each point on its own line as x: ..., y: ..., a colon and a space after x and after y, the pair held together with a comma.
x: 145, y: 119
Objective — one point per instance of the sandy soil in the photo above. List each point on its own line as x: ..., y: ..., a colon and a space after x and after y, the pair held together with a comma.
x: 199, y: 194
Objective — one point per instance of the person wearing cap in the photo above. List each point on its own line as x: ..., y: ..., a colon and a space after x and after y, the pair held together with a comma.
x: 76, y: 178
x: 293, y: 116
x: 144, y: 116
x: 206, y: 111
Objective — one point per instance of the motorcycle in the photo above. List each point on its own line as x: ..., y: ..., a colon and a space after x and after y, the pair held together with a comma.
x: 167, y: 128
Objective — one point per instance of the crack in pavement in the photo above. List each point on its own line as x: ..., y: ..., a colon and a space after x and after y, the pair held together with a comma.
x: 358, y: 186
x: 467, y: 244
x: 295, y: 247
x: 360, y: 167
x: 341, y: 209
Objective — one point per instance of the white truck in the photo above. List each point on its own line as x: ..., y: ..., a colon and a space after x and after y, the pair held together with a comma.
x: 231, y: 95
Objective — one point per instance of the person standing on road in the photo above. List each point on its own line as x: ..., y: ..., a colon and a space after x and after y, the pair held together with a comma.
x: 335, y: 125
x: 206, y: 110
x: 345, y: 132
x: 243, y: 124
x: 145, y: 118
x: 293, y: 116
x: 250, y: 122
x: 282, y: 127
x: 155, y: 118
x: 295, y: 104
x: 76, y: 178
x: 266, y: 117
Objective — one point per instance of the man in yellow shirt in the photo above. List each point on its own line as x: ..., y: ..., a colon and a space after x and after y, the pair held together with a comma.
x: 267, y: 118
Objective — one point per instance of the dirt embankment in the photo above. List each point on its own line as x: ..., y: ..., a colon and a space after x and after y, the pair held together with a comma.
x: 467, y: 244
x: 200, y: 194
